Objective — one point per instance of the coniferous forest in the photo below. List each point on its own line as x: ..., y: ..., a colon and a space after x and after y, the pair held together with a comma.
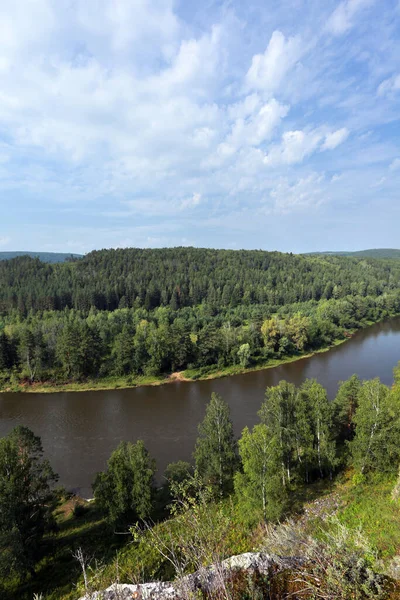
x: 147, y: 313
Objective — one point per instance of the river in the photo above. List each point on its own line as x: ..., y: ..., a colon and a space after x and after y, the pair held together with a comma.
x: 79, y: 430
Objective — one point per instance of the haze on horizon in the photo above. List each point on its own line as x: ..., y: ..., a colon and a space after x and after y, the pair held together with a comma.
x: 154, y: 123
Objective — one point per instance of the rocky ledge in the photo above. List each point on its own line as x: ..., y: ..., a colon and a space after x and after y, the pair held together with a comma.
x: 208, y: 580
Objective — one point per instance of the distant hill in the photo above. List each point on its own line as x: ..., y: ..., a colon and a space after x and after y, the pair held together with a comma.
x: 373, y: 253
x: 47, y: 257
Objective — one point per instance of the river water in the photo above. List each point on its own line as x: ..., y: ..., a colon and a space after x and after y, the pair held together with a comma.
x: 79, y: 430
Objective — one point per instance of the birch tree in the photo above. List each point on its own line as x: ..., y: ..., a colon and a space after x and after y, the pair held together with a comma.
x: 321, y: 414
x: 216, y: 449
x: 259, y: 488
x: 278, y: 414
x: 376, y: 446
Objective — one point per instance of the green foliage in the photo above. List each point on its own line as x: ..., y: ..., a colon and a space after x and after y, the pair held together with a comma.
x: 197, y: 535
x: 216, y: 452
x: 337, y: 562
x: 47, y: 257
x: 344, y: 407
x: 244, y: 354
x: 300, y: 419
x: 125, y: 489
x: 377, y: 427
x: 320, y: 414
x: 133, y: 313
x: 278, y: 414
x: 258, y: 488
x: 25, y: 500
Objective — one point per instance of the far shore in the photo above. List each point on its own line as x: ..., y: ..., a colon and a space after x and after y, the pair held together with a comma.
x: 179, y: 376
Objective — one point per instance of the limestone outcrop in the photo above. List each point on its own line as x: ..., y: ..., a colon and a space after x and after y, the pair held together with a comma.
x: 207, y: 580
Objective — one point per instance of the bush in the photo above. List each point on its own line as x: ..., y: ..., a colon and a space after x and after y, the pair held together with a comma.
x: 338, y: 563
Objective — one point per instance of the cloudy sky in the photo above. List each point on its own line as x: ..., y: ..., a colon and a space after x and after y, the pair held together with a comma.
x: 267, y: 124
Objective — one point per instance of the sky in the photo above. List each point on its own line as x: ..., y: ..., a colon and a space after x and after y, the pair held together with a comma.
x: 271, y: 124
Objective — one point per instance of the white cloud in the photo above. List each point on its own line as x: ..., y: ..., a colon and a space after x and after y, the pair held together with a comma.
x: 334, y: 139
x: 379, y: 183
x: 389, y: 85
x: 342, y: 18
x: 4, y: 241
x: 129, y: 110
x: 256, y: 129
x: 307, y: 192
x: 336, y: 177
x: 191, y: 202
x: 268, y: 70
x: 395, y: 164
x: 295, y: 146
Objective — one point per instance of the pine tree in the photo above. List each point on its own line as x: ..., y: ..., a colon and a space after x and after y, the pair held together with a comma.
x: 344, y: 407
x: 216, y: 449
x: 25, y: 500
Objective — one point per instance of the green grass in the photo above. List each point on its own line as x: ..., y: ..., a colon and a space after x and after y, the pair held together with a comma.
x: 57, y: 573
x: 112, y: 555
x: 371, y: 507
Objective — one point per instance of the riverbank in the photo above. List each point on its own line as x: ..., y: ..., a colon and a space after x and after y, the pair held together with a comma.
x: 189, y: 375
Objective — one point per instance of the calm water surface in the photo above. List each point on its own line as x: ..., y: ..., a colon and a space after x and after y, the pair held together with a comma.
x: 80, y: 429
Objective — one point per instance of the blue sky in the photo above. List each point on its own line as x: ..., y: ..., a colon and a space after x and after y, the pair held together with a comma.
x: 257, y: 124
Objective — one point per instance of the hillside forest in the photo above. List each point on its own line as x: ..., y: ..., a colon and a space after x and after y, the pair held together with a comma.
x: 137, y: 313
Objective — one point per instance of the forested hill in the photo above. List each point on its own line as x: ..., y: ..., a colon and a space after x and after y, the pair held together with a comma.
x: 181, y: 277
x: 48, y: 257
x: 147, y: 313
x: 372, y: 253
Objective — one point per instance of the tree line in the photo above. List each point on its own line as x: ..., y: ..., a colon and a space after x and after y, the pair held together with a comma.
x: 300, y: 437
x: 128, y: 313
x: 63, y: 346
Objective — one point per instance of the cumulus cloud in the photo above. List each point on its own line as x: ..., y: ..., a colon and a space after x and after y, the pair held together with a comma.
x: 295, y: 146
x: 307, y: 192
x: 140, y: 110
x: 342, y: 18
x: 257, y: 128
x: 268, y: 70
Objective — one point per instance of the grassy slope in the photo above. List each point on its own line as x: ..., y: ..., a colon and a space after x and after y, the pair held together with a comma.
x: 367, y: 505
